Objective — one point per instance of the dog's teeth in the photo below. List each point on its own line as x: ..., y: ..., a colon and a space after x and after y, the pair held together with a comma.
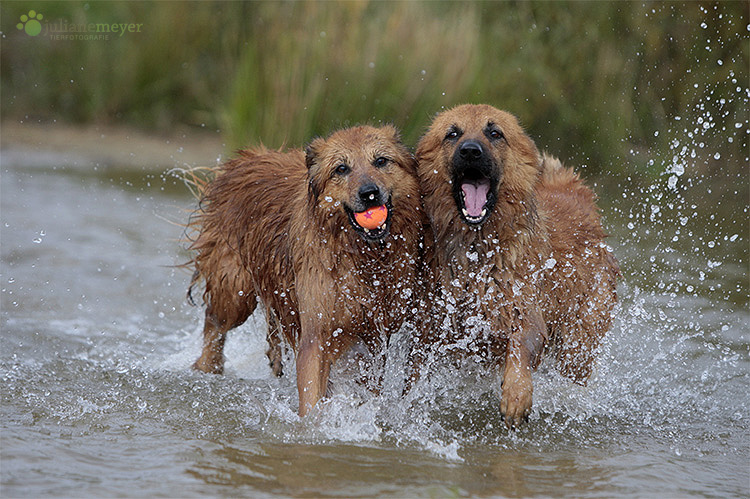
x: 484, y: 212
x: 367, y: 231
x: 465, y: 212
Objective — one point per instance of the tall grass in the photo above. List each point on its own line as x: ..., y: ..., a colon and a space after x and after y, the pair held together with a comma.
x: 594, y: 82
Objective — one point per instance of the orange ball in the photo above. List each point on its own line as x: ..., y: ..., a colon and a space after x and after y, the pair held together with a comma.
x: 372, y: 218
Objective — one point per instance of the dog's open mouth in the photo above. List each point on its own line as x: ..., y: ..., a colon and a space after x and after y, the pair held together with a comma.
x: 373, y: 223
x: 474, y: 195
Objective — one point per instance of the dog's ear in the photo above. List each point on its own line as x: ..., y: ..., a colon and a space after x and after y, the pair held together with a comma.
x: 311, y: 158
x: 528, y: 150
x: 521, y: 143
x: 429, y: 144
x: 393, y: 132
x: 427, y: 147
x: 406, y: 158
x: 311, y: 152
x: 408, y: 162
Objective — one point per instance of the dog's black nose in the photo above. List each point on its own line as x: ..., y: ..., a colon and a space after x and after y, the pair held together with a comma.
x: 369, y: 194
x: 470, y: 149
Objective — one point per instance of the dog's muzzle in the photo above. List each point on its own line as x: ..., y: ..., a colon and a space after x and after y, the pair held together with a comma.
x: 475, y: 179
x: 371, y: 214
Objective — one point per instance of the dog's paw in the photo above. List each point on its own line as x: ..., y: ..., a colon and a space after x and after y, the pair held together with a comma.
x: 276, y: 367
x: 212, y: 366
x: 515, y: 404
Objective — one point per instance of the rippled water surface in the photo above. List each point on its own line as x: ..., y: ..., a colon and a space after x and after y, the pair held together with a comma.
x: 98, y: 398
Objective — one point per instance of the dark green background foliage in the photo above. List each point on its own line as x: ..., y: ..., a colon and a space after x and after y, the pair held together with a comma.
x: 600, y: 84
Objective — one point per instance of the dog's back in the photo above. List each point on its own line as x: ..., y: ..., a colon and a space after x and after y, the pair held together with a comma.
x: 243, y: 248
x: 565, y: 197
x: 581, y: 273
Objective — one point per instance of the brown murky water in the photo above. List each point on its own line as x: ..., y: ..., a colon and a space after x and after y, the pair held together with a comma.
x: 98, y: 398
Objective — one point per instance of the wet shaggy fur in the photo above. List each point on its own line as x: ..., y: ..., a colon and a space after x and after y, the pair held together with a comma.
x: 519, y: 265
x: 277, y: 228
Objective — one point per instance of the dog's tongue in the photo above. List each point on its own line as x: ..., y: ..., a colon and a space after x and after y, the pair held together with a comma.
x: 475, y: 196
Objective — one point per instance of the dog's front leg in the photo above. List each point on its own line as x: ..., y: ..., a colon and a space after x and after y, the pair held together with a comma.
x: 313, y: 367
x: 523, y: 353
x: 211, y: 359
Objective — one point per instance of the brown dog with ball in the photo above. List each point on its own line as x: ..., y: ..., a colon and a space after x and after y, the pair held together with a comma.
x: 327, y: 241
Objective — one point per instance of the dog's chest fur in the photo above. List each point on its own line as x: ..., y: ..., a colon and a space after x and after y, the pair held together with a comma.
x: 489, y: 275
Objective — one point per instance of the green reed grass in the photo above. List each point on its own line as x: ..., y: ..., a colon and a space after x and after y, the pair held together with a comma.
x: 594, y: 82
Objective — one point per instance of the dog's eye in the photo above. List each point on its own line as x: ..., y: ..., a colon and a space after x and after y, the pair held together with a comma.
x: 380, y: 162
x: 342, y: 169
x: 492, y: 132
x: 453, y: 133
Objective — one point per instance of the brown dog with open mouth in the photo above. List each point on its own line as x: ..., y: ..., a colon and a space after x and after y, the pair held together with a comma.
x: 327, y: 240
x: 519, y: 264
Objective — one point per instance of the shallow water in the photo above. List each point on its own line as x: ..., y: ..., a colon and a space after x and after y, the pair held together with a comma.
x: 98, y: 398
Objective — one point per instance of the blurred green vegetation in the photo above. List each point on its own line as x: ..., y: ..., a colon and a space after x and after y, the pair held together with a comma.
x: 605, y: 85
